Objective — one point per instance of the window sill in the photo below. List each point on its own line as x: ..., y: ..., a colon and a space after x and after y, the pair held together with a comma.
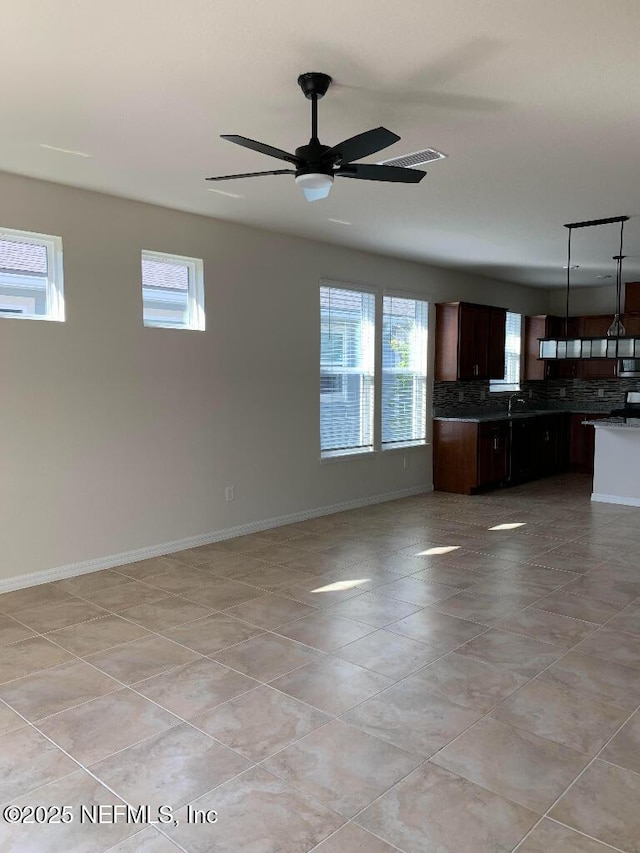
x: 346, y: 455
x: 408, y: 445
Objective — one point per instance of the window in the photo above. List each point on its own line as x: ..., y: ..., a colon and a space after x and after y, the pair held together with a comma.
x: 512, y: 347
x: 347, y: 326
x: 30, y: 276
x: 404, y: 372
x: 172, y: 291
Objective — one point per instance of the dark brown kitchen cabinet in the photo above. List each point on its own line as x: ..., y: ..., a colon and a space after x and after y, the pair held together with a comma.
x: 470, y: 341
x: 493, y: 454
x: 469, y: 456
x: 596, y: 327
x: 551, y: 445
x: 582, y: 442
x: 522, y: 453
x: 547, y: 326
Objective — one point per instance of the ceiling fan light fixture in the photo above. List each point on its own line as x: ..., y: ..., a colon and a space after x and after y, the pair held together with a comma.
x: 315, y: 185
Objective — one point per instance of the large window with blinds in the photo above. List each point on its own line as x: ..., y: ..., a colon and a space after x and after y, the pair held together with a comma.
x: 172, y: 291
x: 347, y: 358
x: 512, y: 350
x: 404, y: 372
x: 30, y: 276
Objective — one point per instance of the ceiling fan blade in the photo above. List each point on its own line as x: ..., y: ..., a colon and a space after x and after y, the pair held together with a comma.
x: 362, y: 145
x: 252, y: 175
x: 373, y: 172
x: 261, y: 147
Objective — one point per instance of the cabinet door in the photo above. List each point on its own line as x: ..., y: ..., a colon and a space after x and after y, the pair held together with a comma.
x: 558, y: 327
x: 605, y: 368
x: 522, y: 449
x: 544, y: 448
x: 493, y: 454
x: 496, y: 343
x: 552, y: 444
x: 582, y: 442
x: 469, y: 341
x: 534, y: 329
x: 631, y: 324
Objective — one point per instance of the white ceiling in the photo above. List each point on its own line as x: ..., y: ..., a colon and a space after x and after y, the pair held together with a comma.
x: 536, y: 102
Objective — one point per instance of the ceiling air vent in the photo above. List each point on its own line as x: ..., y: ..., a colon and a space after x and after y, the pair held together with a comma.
x: 418, y: 158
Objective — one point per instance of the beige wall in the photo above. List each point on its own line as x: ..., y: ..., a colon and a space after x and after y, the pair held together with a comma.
x: 583, y: 300
x: 114, y: 437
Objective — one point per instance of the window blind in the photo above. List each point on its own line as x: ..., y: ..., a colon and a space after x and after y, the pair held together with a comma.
x: 165, y: 291
x: 347, y: 323
x: 30, y: 275
x: 22, y: 258
x: 512, y: 348
x: 404, y: 371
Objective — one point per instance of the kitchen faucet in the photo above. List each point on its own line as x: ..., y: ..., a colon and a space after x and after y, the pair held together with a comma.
x: 515, y: 398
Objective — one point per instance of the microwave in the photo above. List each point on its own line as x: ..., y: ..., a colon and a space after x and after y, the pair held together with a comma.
x: 629, y: 367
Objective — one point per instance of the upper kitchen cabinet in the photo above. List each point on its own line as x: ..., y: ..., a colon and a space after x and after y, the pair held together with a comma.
x: 596, y: 327
x: 547, y: 326
x: 470, y: 341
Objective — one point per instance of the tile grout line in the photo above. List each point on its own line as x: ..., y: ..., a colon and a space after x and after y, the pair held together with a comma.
x: 582, y: 772
x: 272, y: 631
x: 428, y: 759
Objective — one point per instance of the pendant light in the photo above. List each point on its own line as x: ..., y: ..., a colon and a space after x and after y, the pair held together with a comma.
x: 616, y: 343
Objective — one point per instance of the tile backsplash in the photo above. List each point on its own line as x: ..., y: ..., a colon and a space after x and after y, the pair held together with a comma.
x: 593, y: 395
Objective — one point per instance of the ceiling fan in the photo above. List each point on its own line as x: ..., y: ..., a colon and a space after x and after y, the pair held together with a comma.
x: 316, y: 165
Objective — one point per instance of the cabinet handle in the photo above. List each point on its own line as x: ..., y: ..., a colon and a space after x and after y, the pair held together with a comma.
x: 495, y: 444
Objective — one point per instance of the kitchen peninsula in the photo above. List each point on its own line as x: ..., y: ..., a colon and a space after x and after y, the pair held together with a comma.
x: 616, y: 476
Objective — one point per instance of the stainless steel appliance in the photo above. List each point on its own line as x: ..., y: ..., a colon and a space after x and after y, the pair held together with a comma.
x: 629, y: 367
x: 631, y: 408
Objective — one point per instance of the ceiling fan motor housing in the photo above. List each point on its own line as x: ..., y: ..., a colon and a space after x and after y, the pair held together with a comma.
x: 313, y: 160
x: 314, y: 83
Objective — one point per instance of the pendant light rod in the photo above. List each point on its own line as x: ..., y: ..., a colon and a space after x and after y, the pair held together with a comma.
x: 591, y: 222
x: 618, y: 259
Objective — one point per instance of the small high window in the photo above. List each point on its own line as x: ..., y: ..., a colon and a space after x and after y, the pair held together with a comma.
x: 30, y: 276
x: 172, y: 291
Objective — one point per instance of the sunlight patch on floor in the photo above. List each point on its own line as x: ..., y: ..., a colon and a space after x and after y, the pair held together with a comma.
x: 339, y: 586
x: 437, y: 549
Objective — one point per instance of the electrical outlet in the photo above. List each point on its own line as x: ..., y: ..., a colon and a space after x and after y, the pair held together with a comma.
x: 600, y: 392
x: 563, y: 392
x: 461, y: 396
x: 229, y: 494
x: 405, y: 462
x: 483, y: 394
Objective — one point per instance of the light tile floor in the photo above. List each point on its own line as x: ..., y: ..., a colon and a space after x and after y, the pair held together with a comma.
x: 439, y: 673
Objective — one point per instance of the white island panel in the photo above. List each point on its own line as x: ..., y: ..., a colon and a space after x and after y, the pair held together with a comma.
x: 616, y: 474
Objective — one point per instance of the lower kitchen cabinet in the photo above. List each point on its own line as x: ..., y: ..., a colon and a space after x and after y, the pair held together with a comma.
x: 471, y: 456
x: 552, y: 444
x: 493, y: 454
x: 582, y: 442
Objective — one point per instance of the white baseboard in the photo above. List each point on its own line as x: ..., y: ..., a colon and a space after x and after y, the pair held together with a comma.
x: 615, y: 499
x: 113, y: 560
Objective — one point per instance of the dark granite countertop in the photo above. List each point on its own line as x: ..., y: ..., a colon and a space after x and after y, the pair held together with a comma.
x: 486, y: 417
